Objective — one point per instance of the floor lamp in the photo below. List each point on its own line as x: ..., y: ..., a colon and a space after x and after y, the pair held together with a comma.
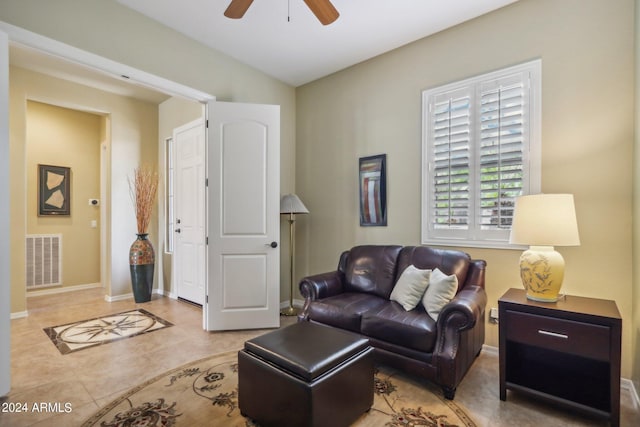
x: 290, y: 204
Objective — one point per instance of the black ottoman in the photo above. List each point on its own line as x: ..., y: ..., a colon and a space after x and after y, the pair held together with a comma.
x: 305, y: 375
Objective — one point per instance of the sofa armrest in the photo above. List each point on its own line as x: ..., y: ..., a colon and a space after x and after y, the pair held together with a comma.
x: 317, y: 287
x: 321, y: 285
x: 466, y: 307
x: 460, y: 330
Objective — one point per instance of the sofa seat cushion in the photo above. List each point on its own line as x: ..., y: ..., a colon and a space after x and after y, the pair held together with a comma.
x: 390, y: 322
x: 344, y: 310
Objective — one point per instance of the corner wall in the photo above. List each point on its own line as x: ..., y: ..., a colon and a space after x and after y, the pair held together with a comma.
x: 5, y: 225
x: 635, y: 334
x: 586, y: 47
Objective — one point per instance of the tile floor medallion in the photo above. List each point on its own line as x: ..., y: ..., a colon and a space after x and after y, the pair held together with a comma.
x: 101, y: 330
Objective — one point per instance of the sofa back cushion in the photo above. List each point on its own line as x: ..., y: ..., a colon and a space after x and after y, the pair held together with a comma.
x: 425, y: 257
x: 371, y: 269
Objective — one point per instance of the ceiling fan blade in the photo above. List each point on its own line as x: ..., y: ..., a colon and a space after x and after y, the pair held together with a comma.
x: 237, y: 8
x: 324, y: 10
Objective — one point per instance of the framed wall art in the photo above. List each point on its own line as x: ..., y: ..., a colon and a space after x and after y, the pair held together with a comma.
x: 373, y: 190
x: 54, y: 190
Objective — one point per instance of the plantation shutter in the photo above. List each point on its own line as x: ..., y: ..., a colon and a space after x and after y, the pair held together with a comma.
x: 481, y: 150
x: 502, y: 111
x: 450, y: 159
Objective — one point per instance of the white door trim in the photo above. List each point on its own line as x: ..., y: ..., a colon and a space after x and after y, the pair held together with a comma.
x: 99, y: 63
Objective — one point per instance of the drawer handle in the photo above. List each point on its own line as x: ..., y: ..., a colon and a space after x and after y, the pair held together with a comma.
x: 553, y: 334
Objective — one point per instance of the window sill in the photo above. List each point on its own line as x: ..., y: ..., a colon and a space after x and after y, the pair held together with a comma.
x: 484, y: 244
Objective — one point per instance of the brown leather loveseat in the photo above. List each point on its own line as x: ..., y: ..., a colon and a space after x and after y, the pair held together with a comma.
x: 355, y: 297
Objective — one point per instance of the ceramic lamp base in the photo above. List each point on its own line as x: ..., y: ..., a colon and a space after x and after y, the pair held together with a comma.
x: 542, y: 272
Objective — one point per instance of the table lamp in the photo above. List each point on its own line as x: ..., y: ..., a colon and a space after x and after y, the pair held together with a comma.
x: 543, y: 221
x: 290, y: 204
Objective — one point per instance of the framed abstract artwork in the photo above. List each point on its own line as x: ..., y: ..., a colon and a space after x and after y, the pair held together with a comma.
x: 54, y: 190
x: 373, y: 190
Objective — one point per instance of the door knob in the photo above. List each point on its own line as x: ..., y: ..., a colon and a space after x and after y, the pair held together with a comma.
x: 273, y: 244
x: 177, y: 230
x: 178, y: 221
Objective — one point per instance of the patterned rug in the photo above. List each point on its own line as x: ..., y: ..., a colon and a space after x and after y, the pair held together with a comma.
x: 205, y: 393
x: 101, y: 330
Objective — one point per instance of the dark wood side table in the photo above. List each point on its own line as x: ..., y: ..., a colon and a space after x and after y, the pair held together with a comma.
x: 566, y: 352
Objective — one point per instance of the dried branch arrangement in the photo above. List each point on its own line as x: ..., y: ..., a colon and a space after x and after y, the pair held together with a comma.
x: 143, y: 188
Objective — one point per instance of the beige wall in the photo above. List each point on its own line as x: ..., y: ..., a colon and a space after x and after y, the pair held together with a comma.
x: 132, y: 135
x: 63, y: 137
x: 587, y: 55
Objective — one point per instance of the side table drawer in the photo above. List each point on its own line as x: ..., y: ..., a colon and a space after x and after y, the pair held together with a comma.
x: 567, y: 336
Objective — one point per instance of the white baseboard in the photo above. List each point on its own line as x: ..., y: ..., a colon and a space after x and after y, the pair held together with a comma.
x: 298, y: 303
x: 63, y: 289
x: 625, y: 383
x: 118, y: 297
x: 489, y: 349
x: 165, y: 293
x: 130, y: 295
x: 19, y: 315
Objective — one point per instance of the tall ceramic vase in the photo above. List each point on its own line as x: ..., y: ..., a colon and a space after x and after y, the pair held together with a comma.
x: 141, y: 264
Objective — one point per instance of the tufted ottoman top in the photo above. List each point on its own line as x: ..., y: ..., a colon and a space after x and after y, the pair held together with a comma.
x: 307, y: 350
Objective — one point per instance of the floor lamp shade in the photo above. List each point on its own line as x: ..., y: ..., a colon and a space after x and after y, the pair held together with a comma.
x: 543, y: 221
x: 291, y: 204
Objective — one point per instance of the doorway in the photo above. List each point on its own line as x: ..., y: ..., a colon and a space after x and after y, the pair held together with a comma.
x: 122, y: 159
x: 59, y: 138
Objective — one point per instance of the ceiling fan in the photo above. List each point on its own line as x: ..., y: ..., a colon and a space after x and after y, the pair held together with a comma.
x: 323, y: 9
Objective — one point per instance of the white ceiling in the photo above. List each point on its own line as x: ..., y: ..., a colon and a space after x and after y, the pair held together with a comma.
x: 302, y: 50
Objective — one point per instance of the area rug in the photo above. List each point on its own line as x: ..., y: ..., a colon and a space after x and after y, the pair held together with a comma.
x: 205, y: 393
x: 101, y: 330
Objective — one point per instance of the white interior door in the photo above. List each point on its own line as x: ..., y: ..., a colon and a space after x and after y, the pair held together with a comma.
x: 189, y: 209
x: 243, y: 163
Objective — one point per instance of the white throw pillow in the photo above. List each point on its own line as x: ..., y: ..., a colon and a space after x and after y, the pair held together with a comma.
x: 410, y: 287
x: 441, y: 290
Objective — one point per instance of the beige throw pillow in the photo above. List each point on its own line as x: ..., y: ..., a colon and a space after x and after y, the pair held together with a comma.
x: 410, y: 287
x: 441, y: 290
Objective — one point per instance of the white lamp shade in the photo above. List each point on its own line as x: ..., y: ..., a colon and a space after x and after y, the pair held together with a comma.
x: 545, y: 220
x: 290, y: 203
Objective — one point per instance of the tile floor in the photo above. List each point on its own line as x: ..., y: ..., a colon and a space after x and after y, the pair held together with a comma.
x: 102, y: 330
x: 75, y: 385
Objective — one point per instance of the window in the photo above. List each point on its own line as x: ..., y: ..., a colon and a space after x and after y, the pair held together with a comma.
x: 168, y: 190
x: 481, y: 150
